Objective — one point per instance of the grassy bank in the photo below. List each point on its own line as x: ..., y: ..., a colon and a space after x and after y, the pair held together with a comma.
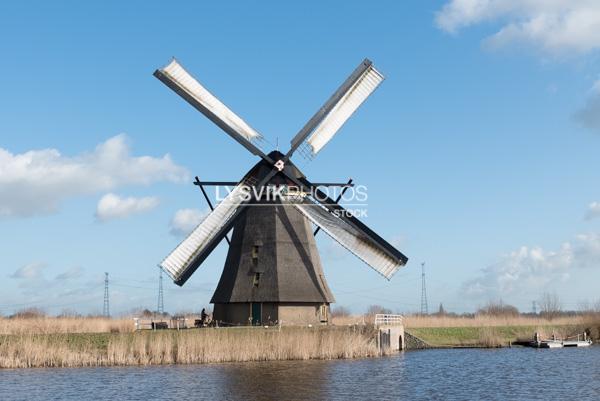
x: 73, y: 342
x: 496, y: 336
x: 183, y: 347
x: 488, y: 330
x: 494, y: 331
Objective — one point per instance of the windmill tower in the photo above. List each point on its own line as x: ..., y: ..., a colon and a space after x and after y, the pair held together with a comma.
x: 273, y: 271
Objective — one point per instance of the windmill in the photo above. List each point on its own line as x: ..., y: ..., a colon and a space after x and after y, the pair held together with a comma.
x: 273, y: 271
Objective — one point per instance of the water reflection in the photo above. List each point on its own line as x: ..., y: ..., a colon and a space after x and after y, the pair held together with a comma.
x: 435, y: 374
x: 278, y: 381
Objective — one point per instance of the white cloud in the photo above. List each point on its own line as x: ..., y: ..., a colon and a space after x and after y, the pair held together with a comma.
x: 528, y: 269
x: 596, y: 87
x: 31, y: 271
x: 589, y: 115
x: 587, y: 254
x: 185, y: 220
x: 593, y: 211
x: 112, y: 206
x: 72, y: 273
x: 553, y: 26
x: 38, y: 181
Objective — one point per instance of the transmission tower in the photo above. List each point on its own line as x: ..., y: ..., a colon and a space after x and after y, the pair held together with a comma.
x: 424, y: 308
x: 106, y: 309
x: 161, y: 306
x: 534, y: 308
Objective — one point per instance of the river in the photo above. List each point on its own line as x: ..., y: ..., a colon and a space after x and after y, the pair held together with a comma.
x: 454, y: 374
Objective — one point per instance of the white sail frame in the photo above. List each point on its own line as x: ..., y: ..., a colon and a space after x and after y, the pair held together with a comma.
x: 344, y: 108
x: 186, y: 82
x: 354, y: 241
x: 182, y: 257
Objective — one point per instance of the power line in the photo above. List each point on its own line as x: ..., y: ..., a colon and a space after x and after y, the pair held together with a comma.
x: 106, y: 309
x: 424, y: 308
x: 161, y: 305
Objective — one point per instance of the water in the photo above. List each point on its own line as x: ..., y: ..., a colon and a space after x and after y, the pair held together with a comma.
x: 466, y: 374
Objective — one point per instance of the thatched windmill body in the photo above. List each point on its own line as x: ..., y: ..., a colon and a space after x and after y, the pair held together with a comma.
x: 273, y: 271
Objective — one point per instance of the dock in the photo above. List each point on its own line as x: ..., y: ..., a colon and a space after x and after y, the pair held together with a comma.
x: 581, y: 340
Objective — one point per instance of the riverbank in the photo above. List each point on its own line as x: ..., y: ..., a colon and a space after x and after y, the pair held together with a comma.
x: 77, y: 342
x: 192, y: 346
x: 481, y: 333
x: 485, y: 337
x: 450, y: 331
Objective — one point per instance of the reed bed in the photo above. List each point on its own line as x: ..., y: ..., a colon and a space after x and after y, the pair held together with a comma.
x: 488, y: 330
x: 417, y: 321
x: 352, y: 320
x: 51, y: 325
x: 185, y: 347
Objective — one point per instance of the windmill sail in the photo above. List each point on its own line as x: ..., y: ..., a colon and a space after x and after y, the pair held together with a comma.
x: 188, y: 255
x: 179, y: 80
x: 351, y: 238
x: 338, y: 109
x: 330, y: 217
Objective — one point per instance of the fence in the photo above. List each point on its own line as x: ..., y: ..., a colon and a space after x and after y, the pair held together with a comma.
x: 382, y: 319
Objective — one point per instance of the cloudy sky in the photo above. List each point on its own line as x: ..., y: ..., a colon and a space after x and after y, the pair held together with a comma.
x: 479, y: 151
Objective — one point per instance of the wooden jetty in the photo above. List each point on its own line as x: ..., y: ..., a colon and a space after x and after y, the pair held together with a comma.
x: 580, y: 340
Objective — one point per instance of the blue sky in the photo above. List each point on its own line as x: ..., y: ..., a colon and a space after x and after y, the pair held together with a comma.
x: 479, y: 150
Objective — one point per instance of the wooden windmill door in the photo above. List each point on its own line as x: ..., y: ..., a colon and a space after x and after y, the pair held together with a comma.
x: 256, y: 312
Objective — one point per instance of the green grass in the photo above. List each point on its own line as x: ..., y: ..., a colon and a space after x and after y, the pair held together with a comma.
x: 484, y: 336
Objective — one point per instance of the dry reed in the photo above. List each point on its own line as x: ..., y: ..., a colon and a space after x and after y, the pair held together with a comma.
x: 416, y: 321
x: 50, y: 325
x: 186, y: 347
x: 490, y: 338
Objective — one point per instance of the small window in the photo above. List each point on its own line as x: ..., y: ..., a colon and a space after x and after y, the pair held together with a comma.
x: 323, y: 313
x: 256, y: 279
x: 255, y: 252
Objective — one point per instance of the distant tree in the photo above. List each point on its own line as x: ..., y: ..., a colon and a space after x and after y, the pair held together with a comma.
x: 585, y: 306
x: 340, y: 311
x: 588, y: 307
x: 29, y: 313
x: 147, y: 313
x: 498, y: 308
x: 441, y: 310
x: 550, y: 305
x: 375, y: 309
x: 68, y: 313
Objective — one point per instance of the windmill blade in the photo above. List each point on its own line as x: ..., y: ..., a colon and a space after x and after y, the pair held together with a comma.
x: 357, y: 241
x: 340, y: 196
x: 186, y: 86
x: 191, y: 252
x: 349, y: 223
x: 337, y: 110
